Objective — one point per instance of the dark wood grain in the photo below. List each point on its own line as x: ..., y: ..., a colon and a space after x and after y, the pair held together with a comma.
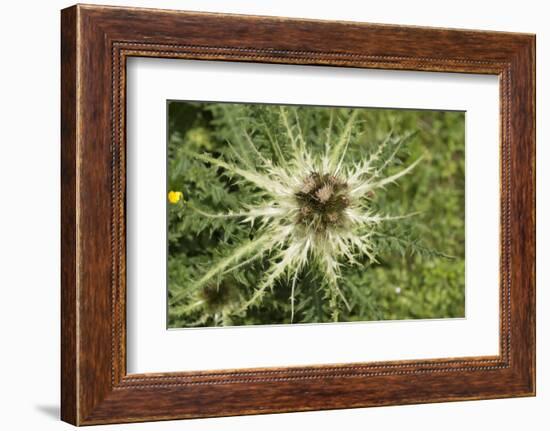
x: 69, y: 331
x: 96, y: 41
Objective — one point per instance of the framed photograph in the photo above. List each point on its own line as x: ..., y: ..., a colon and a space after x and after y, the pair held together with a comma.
x: 266, y: 215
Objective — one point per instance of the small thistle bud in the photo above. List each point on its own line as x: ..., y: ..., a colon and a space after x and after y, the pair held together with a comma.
x: 308, y: 185
x: 218, y: 296
x: 324, y: 193
x: 332, y: 217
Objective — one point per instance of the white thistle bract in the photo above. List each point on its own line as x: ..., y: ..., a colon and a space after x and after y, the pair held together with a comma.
x: 314, y: 208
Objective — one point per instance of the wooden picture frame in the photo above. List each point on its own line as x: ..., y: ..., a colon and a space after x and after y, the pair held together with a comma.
x: 95, y: 43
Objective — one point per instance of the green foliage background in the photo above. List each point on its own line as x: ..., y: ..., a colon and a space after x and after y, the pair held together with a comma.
x: 420, y: 273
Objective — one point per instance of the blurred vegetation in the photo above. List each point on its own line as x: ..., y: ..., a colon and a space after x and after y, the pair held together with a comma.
x: 420, y: 269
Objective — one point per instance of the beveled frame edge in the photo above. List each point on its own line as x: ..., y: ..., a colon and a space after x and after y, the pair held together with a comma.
x: 96, y: 41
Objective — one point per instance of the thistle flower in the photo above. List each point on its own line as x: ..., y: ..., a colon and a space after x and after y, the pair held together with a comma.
x: 314, y: 208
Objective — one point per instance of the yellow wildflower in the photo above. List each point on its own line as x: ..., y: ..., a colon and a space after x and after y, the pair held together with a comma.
x: 175, y: 197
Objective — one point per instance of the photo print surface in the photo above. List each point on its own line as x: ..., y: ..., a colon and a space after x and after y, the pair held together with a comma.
x: 281, y: 214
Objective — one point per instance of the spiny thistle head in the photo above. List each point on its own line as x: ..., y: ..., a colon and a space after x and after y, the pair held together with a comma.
x: 322, y: 200
x: 313, y: 209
